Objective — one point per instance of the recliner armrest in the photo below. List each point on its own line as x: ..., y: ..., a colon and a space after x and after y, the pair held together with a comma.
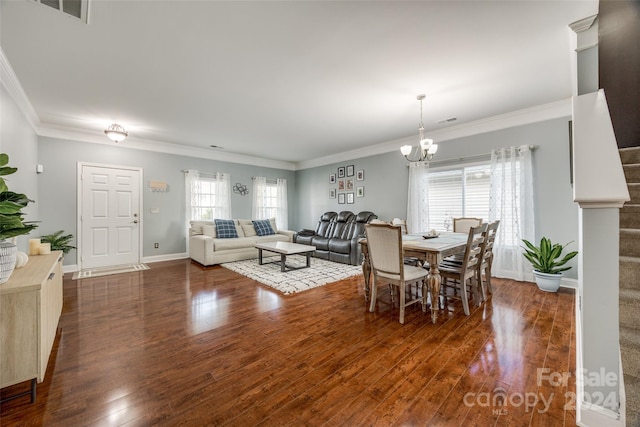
x: 306, y: 232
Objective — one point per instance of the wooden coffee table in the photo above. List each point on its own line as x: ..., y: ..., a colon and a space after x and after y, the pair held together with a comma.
x: 284, y: 249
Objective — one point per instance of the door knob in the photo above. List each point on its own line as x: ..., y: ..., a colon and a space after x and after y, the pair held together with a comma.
x: 135, y: 221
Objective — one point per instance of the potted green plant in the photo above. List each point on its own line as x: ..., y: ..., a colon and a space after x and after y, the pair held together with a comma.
x: 59, y: 241
x: 12, y: 222
x: 546, y: 262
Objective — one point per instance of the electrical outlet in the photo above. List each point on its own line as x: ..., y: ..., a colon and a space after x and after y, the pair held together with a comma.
x: 156, y: 245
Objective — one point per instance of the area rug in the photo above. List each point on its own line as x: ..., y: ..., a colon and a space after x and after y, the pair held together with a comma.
x: 320, y: 273
x: 105, y: 271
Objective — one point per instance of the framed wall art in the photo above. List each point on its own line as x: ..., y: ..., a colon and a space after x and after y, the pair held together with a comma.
x: 332, y: 178
x: 341, y: 185
x: 350, y: 170
x: 332, y: 193
x: 350, y: 199
x: 360, y: 175
x: 349, y: 185
x: 341, y: 172
x: 360, y: 192
x: 341, y: 198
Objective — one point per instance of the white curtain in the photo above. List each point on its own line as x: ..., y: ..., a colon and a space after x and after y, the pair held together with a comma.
x: 418, y: 198
x: 270, y: 201
x: 208, y: 196
x: 282, y: 211
x: 259, y: 208
x: 511, y: 201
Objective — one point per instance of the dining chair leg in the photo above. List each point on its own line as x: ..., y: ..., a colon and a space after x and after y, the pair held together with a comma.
x: 425, y: 295
x: 374, y: 291
x: 487, y: 275
x: 465, y: 298
x: 403, y: 297
x: 481, y: 286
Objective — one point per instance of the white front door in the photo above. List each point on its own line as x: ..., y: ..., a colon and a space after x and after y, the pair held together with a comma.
x: 109, y: 207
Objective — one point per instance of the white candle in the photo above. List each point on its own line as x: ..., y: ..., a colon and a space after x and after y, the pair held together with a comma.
x: 34, y: 246
x: 45, y: 248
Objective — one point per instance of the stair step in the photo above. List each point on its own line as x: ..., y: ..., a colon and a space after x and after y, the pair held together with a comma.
x: 634, y: 193
x: 632, y: 173
x: 632, y: 392
x: 630, y: 216
x: 630, y: 273
x: 629, y: 239
x: 629, y: 308
x: 629, y: 155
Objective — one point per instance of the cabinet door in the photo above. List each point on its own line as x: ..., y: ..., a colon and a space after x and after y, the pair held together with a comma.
x: 50, y: 306
x: 18, y: 337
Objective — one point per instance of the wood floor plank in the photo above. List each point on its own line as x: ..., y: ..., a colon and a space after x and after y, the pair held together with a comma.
x: 182, y: 345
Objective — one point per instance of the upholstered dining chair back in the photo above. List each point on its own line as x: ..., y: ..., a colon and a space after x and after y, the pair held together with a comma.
x: 384, y: 242
x: 462, y: 225
x: 400, y: 223
x: 385, y: 249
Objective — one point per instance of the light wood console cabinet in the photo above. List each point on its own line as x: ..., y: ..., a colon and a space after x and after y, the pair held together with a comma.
x: 30, y: 307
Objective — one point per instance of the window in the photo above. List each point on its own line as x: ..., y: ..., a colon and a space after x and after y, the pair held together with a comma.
x: 208, y: 196
x: 459, y: 192
x: 270, y: 200
x: 75, y: 8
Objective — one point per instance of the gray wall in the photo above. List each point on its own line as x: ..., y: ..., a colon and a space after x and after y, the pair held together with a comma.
x: 20, y: 142
x: 58, y: 189
x: 386, y: 178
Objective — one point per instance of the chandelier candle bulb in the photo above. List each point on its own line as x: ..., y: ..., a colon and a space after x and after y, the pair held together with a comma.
x: 45, y: 248
x: 34, y: 246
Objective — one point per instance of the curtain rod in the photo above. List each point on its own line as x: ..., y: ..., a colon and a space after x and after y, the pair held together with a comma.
x: 477, y: 157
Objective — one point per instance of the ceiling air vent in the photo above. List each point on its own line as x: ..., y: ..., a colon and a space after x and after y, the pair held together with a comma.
x: 449, y: 120
x: 76, y: 8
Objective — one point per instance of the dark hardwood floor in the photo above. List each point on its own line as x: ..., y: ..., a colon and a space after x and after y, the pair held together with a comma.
x: 180, y: 345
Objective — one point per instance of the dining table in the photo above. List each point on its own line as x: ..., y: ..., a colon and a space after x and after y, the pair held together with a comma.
x: 427, y: 248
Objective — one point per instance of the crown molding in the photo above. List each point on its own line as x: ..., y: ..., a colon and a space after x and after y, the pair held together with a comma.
x: 134, y: 143
x: 553, y: 110
x: 12, y: 84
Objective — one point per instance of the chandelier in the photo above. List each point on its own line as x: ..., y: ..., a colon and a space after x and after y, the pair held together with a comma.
x: 116, y: 133
x: 427, y: 148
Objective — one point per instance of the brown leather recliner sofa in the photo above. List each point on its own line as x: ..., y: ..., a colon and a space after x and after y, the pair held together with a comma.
x: 336, y: 236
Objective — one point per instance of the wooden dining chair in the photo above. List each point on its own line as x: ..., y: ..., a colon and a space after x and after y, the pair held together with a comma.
x: 387, y: 264
x: 462, y: 225
x: 486, y: 258
x: 457, y: 275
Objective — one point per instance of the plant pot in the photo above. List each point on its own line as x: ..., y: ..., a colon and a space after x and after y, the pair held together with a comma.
x: 8, y: 252
x: 546, y: 281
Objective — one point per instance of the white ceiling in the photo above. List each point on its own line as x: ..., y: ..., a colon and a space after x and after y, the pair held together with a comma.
x: 290, y: 81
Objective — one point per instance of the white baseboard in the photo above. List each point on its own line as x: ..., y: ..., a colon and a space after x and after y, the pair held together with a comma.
x: 569, y: 283
x: 69, y: 268
x: 166, y: 257
x: 150, y: 259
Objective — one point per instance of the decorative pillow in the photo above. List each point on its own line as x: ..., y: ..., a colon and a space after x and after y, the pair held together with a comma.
x: 247, y: 227
x: 226, y: 229
x: 209, y: 230
x: 263, y: 227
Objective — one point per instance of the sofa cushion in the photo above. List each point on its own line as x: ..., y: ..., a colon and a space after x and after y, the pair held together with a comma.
x: 226, y: 229
x: 196, y: 226
x: 209, y: 230
x: 247, y: 227
x: 238, y: 243
x: 263, y: 227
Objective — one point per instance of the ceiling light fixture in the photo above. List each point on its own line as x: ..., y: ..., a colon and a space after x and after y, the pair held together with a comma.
x: 116, y: 133
x: 427, y: 148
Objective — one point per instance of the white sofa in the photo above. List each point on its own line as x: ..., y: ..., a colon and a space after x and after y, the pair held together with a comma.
x: 207, y: 249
